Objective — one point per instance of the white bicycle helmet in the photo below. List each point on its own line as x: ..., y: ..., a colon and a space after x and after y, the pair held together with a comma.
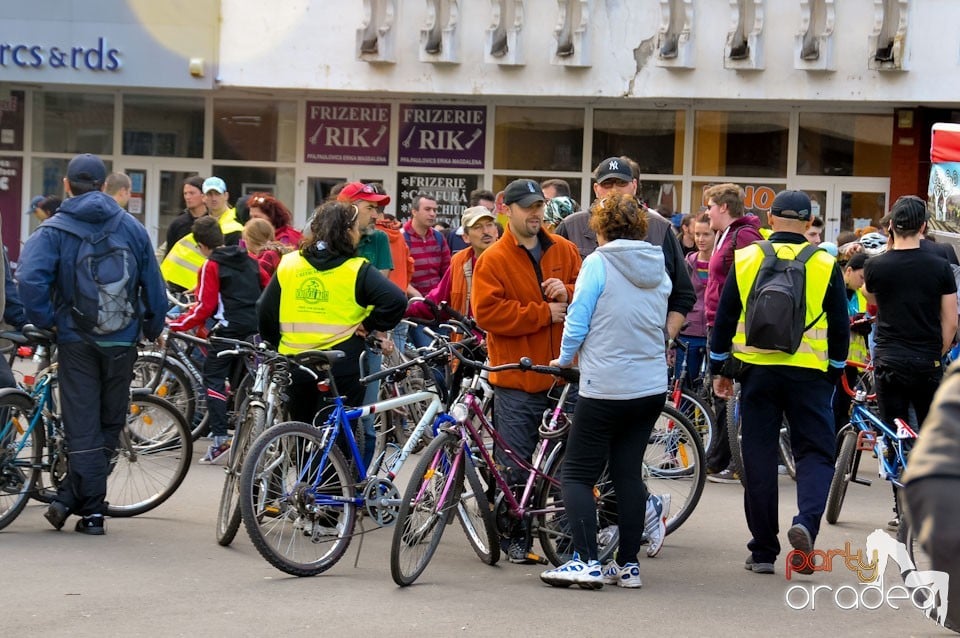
x: 873, y: 243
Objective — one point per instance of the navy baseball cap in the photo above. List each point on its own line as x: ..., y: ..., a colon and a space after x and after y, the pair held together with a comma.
x: 614, y: 168
x: 792, y: 205
x: 86, y: 169
x: 36, y: 201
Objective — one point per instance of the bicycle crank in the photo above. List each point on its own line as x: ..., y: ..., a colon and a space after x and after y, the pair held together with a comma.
x: 382, y: 500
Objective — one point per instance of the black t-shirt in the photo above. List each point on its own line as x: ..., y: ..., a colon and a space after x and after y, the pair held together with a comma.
x: 909, y: 286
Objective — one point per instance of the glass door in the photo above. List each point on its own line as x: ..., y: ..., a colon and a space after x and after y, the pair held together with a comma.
x: 319, y: 182
x: 156, y: 192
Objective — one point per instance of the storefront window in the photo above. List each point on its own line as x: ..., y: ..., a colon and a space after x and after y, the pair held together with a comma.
x: 844, y: 144
x: 254, y: 130
x: 162, y: 126
x: 662, y: 196
x: 73, y: 123
x: 740, y: 143
x: 757, y: 198
x: 654, y: 139
x: 46, y: 178
x: 243, y: 180
x: 538, y: 138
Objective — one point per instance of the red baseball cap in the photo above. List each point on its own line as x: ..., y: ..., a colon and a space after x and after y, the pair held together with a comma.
x: 358, y: 190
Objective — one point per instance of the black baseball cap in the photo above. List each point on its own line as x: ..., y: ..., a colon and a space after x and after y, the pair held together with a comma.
x: 34, y: 203
x: 614, y: 168
x: 908, y: 213
x: 792, y: 205
x: 857, y: 261
x: 523, y: 192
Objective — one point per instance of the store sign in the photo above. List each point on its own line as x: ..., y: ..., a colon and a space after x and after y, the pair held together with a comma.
x: 11, y: 120
x: 442, y: 136
x: 347, y: 133
x: 11, y: 175
x: 756, y: 197
x: 452, y: 193
x: 91, y: 57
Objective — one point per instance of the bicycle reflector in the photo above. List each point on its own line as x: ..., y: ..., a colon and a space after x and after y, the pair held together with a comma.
x: 324, y: 385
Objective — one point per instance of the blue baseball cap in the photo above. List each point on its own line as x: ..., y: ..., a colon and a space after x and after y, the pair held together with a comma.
x: 34, y: 203
x: 214, y: 184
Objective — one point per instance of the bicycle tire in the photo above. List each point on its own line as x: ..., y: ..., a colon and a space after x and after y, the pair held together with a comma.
x: 152, y: 457
x: 228, y: 513
x: 279, y: 477
x: 675, y: 464
x: 696, y: 409
x: 734, y: 434
x: 476, y: 517
x: 786, y: 450
x: 423, y: 516
x: 20, y: 473
x: 553, y: 530
x: 841, y: 475
x: 169, y: 379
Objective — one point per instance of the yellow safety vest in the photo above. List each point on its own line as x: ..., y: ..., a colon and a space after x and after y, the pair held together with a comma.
x: 318, y: 308
x: 182, y: 264
x: 859, y: 352
x: 228, y: 222
x: 812, y: 352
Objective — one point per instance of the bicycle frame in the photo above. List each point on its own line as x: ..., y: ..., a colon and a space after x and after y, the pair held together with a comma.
x: 870, y: 437
x: 339, y: 421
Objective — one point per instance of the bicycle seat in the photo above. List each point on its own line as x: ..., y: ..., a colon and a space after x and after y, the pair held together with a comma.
x: 39, y: 335
x: 319, y: 358
x: 14, y: 336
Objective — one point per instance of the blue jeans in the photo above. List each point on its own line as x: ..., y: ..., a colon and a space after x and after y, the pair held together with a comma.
x: 696, y: 348
x: 400, y: 337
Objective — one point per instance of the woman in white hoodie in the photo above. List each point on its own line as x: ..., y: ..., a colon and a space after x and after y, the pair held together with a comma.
x: 616, y: 325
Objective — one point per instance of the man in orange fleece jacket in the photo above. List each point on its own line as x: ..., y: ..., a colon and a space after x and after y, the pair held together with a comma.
x: 521, y: 286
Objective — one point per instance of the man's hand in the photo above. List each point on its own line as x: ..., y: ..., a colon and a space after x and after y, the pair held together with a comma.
x: 723, y: 387
x: 554, y: 289
x: 558, y: 312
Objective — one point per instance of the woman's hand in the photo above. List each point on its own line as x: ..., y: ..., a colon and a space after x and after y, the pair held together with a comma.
x: 555, y: 363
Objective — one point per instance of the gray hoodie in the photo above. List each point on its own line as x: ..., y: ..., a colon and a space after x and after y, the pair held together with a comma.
x: 622, y: 351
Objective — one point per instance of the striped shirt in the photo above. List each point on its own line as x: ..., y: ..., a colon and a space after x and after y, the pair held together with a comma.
x: 431, y: 257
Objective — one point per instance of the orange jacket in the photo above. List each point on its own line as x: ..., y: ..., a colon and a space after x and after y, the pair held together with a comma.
x: 508, y: 303
x: 402, y: 271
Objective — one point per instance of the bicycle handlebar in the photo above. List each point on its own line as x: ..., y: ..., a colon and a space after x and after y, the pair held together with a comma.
x: 571, y: 375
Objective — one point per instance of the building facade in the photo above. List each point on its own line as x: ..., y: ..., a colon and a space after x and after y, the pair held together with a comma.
x: 443, y: 96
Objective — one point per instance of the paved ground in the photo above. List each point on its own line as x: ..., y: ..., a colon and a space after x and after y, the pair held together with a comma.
x: 162, y: 574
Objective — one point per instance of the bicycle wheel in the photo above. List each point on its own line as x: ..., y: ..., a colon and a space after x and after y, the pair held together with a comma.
x: 842, y: 474
x: 553, y: 528
x: 152, y: 457
x: 431, y: 497
x: 228, y: 514
x: 695, y: 408
x: 674, y: 464
x: 476, y: 517
x: 21, y: 452
x: 786, y: 450
x: 168, y: 379
x: 298, y: 512
x: 734, y: 435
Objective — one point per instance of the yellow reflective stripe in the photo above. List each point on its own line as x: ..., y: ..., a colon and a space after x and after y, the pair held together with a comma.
x: 813, y: 334
x: 294, y: 327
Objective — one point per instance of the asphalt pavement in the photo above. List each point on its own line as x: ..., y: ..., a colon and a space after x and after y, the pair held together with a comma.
x: 163, y: 574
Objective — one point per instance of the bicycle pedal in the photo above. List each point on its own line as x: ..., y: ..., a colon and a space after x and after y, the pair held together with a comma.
x: 540, y: 560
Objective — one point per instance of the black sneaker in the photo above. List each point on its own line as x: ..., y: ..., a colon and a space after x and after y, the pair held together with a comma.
x: 57, y: 514
x: 802, y: 541
x: 92, y: 525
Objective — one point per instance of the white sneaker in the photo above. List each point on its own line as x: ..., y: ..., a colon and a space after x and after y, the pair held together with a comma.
x: 655, y: 523
x: 575, y: 572
x: 627, y: 576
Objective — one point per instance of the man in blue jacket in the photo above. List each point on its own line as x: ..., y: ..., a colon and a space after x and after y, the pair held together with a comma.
x: 95, y: 368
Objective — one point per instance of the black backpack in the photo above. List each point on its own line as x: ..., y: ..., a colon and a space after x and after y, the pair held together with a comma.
x: 777, y: 303
x: 101, y: 303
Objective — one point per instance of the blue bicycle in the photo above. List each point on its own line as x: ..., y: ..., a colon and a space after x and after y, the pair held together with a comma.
x: 300, y: 495
x: 867, y: 432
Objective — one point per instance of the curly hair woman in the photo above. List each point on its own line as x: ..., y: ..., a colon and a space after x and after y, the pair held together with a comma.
x: 268, y: 207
